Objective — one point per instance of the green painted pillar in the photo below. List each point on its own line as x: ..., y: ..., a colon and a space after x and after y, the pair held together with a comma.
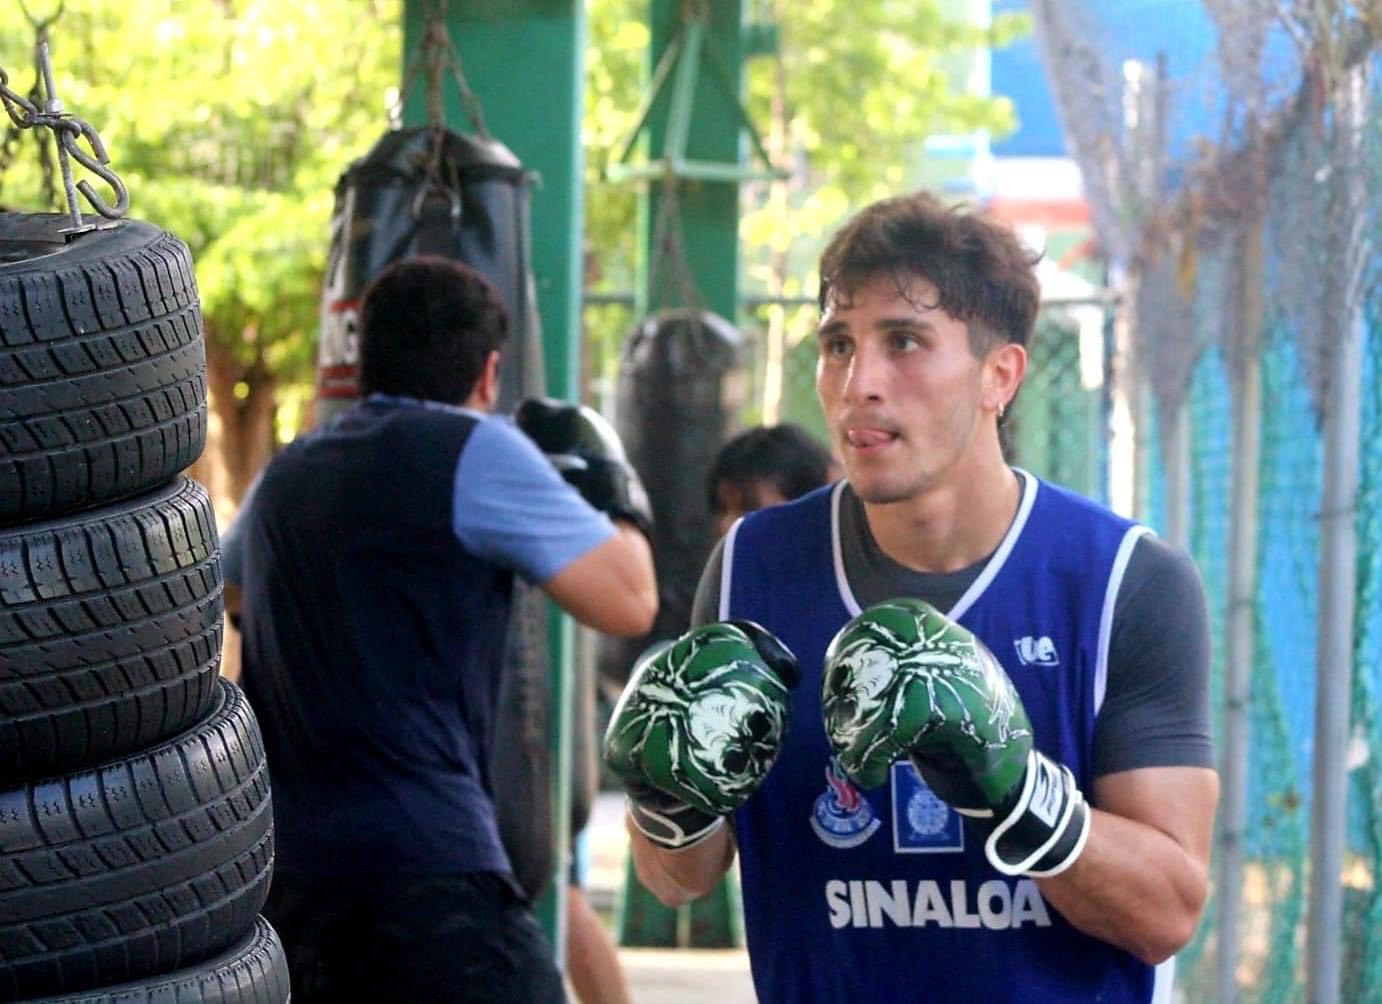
x: 524, y: 61
x: 702, y: 111
x: 708, y: 210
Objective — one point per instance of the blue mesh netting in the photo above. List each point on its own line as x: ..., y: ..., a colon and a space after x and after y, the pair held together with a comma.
x: 1363, y: 965
x: 1283, y: 691
x: 1210, y: 415
x: 1212, y: 75
x: 1288, y: 576
x: 1153, y: 511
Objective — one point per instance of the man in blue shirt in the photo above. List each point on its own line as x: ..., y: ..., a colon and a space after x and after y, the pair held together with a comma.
x: 377, y: 567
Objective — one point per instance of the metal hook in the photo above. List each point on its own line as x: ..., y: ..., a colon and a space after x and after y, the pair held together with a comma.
x: 426, y: 190
x: 97, y: 166
x: 15, y: 103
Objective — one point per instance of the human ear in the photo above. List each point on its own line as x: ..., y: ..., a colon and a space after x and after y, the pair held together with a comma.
x: 486, y: 390
x: 1004, y: 369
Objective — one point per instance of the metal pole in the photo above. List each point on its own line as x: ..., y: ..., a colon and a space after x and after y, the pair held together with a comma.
x: 1125, y: 445
x: 1246, y: 365
x: 1338, y: 554
x: 699, y: 123
x: 709, y: 129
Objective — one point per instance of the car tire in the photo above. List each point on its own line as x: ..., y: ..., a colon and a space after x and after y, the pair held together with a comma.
x: 102, y: 364
x: 110, y: 630
x: 141, y: 866
x: 253, y: 972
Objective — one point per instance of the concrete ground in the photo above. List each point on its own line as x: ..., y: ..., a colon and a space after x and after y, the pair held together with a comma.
x: 659, y: 976
x: 687, y: 976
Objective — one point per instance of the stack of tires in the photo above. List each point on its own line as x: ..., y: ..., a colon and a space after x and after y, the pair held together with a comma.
x: 136, y: 836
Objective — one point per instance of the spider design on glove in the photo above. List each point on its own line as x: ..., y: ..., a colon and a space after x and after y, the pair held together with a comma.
x: 901, y: 671
x: 716, y: 711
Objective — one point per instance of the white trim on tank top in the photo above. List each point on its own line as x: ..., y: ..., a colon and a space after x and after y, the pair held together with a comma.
x: 727, y: 568
x: 1115, y: 582
x: 1163, y: 980
x: 976, y: 588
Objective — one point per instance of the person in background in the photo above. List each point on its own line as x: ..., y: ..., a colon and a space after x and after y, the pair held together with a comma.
x: 764, y: 466
x: 377, y: 563
x: 592, y: 958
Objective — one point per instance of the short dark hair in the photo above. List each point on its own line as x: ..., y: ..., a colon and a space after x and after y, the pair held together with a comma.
x: 786, y: 456
x: 981, y: 270
x: 427, y: 325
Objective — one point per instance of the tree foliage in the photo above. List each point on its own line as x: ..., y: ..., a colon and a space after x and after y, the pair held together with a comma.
x: 866, y: 82
x: 230, y: 121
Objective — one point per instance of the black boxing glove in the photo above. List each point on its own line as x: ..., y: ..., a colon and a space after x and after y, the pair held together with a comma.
x: 587, y: 452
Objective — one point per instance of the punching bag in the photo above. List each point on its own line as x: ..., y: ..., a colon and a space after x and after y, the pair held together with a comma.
x: 678, y: 398
x: 430, y: 190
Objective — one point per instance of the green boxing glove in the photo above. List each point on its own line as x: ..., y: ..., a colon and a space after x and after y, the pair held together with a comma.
x: 696, y: 729
x: 903, y: 680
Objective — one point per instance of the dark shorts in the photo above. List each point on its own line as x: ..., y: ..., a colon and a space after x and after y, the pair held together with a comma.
x: 457, y: 938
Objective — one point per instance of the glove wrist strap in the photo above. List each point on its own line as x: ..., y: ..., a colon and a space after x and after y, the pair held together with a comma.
x: 673, y: 829
x: 1044, y: 827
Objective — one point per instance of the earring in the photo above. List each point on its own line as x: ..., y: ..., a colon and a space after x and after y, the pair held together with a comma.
x: 1001, y: 406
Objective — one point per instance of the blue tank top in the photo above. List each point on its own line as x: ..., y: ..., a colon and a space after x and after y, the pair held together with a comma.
x: 882, y: 895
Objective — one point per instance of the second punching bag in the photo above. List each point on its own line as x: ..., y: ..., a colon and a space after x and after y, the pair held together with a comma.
x: 679, y: 397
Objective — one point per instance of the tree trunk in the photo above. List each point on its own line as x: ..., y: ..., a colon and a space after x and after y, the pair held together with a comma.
x: 243, y: 422
x: 239, y: 441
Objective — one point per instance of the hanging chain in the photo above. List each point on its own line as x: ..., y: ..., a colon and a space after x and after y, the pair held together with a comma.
x: 670, y: 280
x: 9, y: 144
x: 437, y: 52
x: 46, y: 111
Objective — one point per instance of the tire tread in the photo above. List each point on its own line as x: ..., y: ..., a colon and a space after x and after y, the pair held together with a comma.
x: 103, y: 371
x: 141, y: 866
x: 110, y: 630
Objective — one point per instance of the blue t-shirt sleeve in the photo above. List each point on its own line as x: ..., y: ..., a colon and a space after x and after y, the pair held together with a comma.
x: 511, y: 507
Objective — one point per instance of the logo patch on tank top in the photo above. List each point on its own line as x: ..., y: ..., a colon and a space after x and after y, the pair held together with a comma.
x: 922, y: 822
x: 841, y: 816
x: 1034, y: 650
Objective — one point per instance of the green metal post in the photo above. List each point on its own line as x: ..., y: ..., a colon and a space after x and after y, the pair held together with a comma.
x: 524, y: 60
x: 708, y: 210
x: 707, y: 130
